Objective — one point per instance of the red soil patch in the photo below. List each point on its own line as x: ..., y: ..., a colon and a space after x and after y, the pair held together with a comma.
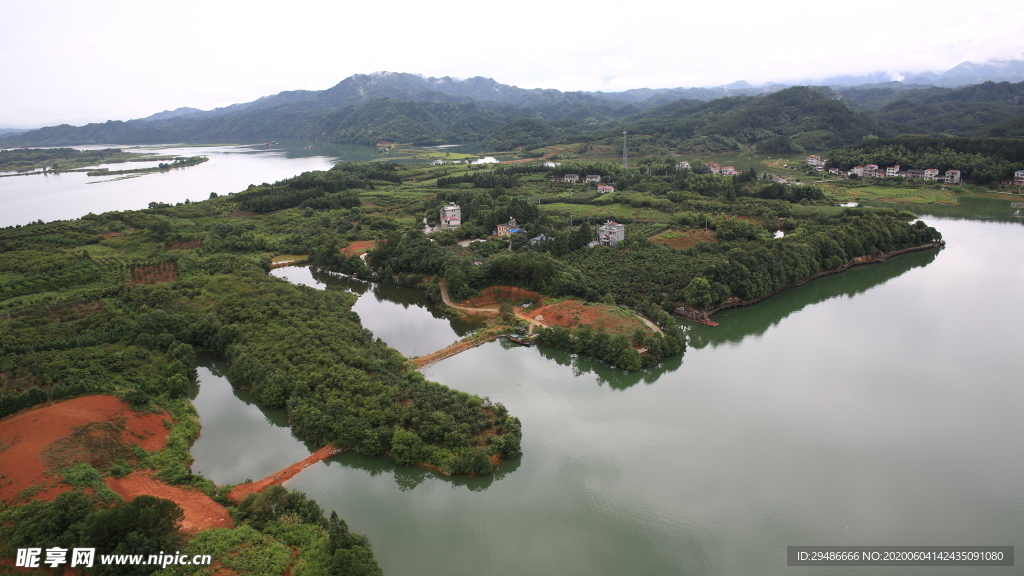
x: 201, y: 512
x: 112, y: 234
x: 192, y: 245
x: 243, y: 214
x: 687, y: 239
x: 24, y: 437
x: 495, y: 295
x: 357, y: 247
x: 167, y: 272
x: 239, y: 493
x: 573, y: 313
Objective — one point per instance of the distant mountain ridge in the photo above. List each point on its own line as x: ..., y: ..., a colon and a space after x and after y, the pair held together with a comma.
x: 962, y: 74
x: 387, y: 106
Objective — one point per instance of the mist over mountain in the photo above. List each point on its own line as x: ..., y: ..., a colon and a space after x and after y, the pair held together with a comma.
x: 962, y: 74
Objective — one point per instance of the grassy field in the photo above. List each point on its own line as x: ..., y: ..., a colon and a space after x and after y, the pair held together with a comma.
x: 611, y: 211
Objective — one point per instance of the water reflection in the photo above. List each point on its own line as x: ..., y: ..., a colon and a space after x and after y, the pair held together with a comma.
x: 239, y: 439
x: 966, y: 208
x: 604, y: 374
x: 409, y: 477
x: 399, y: 315
x: 735, y: 324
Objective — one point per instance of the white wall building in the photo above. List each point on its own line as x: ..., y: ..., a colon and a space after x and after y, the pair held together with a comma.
x: 451, y: 216
x: 611, y: 233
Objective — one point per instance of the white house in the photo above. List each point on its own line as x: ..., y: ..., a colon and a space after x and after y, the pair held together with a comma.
x: 931, y: 174
x: 604, y: 189
x: 1018, y: 177
x: 684, y: 164
x: 571, y: 178
x: 728, y: 170
x: 952, y: 177
x: 611, y: 233
x: 451, y: 216
x: 593, y: 178
x: 892, y: 171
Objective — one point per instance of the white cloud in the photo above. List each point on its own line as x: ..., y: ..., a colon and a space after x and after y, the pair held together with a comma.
x: 77, y: 62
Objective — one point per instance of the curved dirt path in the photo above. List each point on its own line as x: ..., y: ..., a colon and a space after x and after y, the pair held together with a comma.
x: 651, y: 325
x: 201, y: 512
x: 516, y: 309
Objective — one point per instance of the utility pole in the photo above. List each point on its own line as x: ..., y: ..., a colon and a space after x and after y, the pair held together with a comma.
x: 625, y: 163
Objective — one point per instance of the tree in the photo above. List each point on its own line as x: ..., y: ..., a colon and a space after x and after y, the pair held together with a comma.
x: 698, y: 292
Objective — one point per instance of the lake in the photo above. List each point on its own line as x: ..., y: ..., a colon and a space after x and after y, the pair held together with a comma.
x: 231, y: 168
x: 879, y: 406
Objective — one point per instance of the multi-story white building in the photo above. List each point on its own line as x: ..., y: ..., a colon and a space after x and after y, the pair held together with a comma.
x: 1018, y: 177
x: 571, y: 178
x: 684, y: 164
x: 451, y: 216
x: 611, y: 233
x: 952, y: 177
x: 593, y: 178
x: 931, y: 174
x: 892, y: 171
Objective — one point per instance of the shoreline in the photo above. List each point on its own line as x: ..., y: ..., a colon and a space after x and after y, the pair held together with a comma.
x: 704, y: 316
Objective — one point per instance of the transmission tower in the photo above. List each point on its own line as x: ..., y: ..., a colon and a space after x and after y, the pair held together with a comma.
x: 625, y: 164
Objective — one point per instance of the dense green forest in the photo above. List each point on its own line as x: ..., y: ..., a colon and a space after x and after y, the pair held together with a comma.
x: 274, y: 529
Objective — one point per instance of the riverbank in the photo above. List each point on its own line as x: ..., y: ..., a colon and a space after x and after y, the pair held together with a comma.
x: 695, y: 314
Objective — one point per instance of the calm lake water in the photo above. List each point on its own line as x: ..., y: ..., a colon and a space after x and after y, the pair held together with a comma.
x: 230, y: 169
x: 880, y: 406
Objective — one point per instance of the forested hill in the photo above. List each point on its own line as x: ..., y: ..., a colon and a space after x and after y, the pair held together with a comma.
x: 366, y: 109
x: 969, y: 111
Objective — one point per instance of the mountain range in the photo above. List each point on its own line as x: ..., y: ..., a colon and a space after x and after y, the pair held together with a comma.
x: 400, y: 107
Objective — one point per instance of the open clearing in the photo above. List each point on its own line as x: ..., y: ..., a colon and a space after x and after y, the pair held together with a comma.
x: 683, y: 239
x: 50, y: 432
x: 28, y: 434
x: 574, y: 313
x: 357, y: 247
x: 494, y: 296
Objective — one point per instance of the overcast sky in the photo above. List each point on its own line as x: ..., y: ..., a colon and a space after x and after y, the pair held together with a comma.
x: 79, y: 62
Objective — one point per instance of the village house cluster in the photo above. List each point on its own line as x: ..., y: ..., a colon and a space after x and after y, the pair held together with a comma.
x: 609, y: 234
x: 587, y: 179
x: 874, y: 171
x: 715, y: 168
